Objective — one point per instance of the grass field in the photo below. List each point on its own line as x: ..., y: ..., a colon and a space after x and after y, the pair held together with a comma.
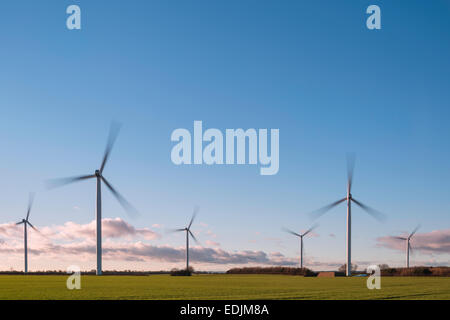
x: 221, y: 287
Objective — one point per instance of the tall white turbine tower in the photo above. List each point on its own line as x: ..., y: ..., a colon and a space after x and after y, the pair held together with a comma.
x: 408, y: 244
x: 301, y: 235
x: 98, y: 175
x: 26, y: 222
x: 349, y: 198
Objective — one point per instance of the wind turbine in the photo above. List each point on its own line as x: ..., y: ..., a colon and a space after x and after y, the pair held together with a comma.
x: 349, y: 198
x: 188, y: 233
x: 408, y: 245
x: 98, y: 175
x: 301, y: 235
x: 26, y: 222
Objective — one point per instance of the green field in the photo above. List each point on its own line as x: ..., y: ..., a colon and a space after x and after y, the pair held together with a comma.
x: 221, y: 287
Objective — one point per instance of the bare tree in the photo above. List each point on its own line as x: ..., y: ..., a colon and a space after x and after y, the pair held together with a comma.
x: 342, y: 268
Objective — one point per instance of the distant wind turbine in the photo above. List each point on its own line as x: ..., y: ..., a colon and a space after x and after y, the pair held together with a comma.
x: 26, y: 222
x: 98, y: 175
x: 408, y: 245
x: 300, y: 235
x: 188, y: 233
x: 349, y: 198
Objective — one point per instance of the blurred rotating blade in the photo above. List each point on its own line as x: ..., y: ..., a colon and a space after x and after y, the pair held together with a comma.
x: 291, y: 232
x: 309, y: 230
x: 374, y: 213
x: 113, y: 133
x: 175, y: 230
x: 32, y: 226
x: 414, y: 232
x: 30, y: 204
x: 350, y: 169
x: 193, y: 237
x: 54, y: 183
x: 318, y: 213
x: 193, y: 217
x: 123, y: 202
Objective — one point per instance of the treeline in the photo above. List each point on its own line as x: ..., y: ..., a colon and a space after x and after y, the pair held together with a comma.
x: 60, y: 272
x: 110, y: 272
x: 274, y: 270
x: 416, y: 271
x: 182, y: 272
x: 385, y: 271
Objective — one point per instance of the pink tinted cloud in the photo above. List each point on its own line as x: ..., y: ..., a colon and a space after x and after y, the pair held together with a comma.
x: 211, y: 234
x: 211, y: 243
x: 111, y: 228
x: 77, y: 241
x: 11, y: 230
x: 437, y: 241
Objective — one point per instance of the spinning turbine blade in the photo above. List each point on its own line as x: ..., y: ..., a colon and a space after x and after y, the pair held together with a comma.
x: 30, y: 203
x: 54, y: 183
x: 415, y: 230
x: 20, y: 222
x: 32, y: 226
x: 350, y: 169
x: 192, y: 235
x: 125, y: 204
x: 316, y: 214
x: 113, y: 132
x: 309, y: 230
x: 193, y: 217
x: 400, y: 238
x: 291, y: 232
x: 175, y: 230
x: 374, y: 213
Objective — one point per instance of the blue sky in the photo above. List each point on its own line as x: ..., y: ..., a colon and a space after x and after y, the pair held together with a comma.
x: 310, y: 68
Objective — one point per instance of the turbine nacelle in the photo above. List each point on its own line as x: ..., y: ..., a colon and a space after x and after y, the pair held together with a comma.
x: 98, y: 174
x: 300, y: 235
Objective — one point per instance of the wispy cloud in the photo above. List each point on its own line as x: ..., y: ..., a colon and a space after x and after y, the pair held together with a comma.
x: 437, y: 241
x: 123, y: 242
x: 211, y: 243
x: 111, y: 228
x: 211, y: 234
